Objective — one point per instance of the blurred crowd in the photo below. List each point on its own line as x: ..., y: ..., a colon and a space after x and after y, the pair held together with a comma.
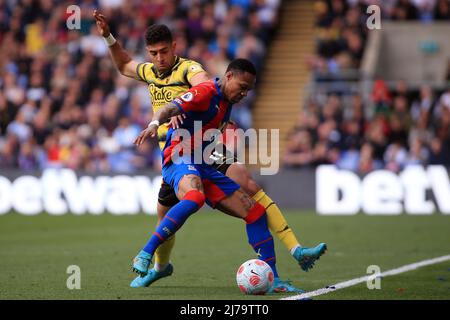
x: 62, y: 102
x: 402, y: 126
x: 407, y: 128
x: 342, y: 30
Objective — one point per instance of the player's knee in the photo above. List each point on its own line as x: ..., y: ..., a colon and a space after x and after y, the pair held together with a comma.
x: 241, y: 176
x: 252, y: 187
x: 195, y: 196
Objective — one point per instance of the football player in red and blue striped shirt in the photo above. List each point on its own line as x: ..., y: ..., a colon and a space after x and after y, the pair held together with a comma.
x: 196, y: 182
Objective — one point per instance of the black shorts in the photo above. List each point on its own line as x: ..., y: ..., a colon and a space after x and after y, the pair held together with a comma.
x: 222, y: 161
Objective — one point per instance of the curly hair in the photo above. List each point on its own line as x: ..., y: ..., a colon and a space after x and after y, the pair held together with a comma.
x: 157, y: 33
x: 242, y: 65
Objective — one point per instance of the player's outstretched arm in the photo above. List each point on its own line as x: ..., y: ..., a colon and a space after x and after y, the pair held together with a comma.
x: 160, y: 116
x: 121, y: 58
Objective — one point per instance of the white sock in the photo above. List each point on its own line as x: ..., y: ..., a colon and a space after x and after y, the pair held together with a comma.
x: 160, y: 267
x: 293, y: 249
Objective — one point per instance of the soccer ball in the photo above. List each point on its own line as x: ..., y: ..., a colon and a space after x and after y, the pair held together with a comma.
x: 254, y: 277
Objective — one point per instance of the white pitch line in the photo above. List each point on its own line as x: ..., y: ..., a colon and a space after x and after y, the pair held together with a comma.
x: 355, y: 281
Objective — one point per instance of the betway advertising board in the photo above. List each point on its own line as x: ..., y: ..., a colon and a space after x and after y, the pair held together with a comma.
x: 415, y: 190
x: 60, y: 191
x: 328, y: 190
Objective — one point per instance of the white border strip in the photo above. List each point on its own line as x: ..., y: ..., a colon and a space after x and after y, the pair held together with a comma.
x: 355, y: 281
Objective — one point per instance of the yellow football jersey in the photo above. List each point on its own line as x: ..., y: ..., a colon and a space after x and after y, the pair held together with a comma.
x: 163, y: 88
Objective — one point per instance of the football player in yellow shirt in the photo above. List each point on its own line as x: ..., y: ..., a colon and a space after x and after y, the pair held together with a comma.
x: 167, y: 77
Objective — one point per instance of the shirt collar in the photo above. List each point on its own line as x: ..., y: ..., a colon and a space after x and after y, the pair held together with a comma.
x: 168, y: 72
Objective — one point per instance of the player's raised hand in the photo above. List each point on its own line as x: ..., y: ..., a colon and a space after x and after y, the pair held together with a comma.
x: 102, y: 24
x: 176, y: 121
x: 150, y: 131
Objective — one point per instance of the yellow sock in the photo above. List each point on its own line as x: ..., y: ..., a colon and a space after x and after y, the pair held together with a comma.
x: 276, y: 221
x: 162, y: 253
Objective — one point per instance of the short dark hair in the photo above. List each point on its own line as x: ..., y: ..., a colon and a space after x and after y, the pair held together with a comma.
x: 157, y: 33
x: 242, y: 65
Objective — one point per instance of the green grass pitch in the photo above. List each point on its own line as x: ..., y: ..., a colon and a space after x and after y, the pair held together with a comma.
x: 36, y: 251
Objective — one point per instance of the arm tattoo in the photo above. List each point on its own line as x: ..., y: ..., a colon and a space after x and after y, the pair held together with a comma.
x: 166, y: 112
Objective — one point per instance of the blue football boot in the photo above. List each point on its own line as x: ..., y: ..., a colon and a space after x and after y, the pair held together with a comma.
x: 307, y: 256
x: 151, y: 277
x: 142, y: 262
x: 280, y: 286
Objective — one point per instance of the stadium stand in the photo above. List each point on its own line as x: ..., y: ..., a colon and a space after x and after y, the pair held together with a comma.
x: 396, y: 124
x: 62, y: 103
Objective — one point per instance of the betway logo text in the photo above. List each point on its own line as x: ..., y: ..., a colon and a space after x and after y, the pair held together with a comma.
x: 383, y: 192
x: 60, y: 191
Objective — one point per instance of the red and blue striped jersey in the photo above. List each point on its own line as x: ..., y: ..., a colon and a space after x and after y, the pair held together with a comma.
x: 205, y: 103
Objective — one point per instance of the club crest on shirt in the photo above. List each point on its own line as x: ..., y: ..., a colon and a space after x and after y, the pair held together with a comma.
x: 194, y: 68
x: 188, y: 96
